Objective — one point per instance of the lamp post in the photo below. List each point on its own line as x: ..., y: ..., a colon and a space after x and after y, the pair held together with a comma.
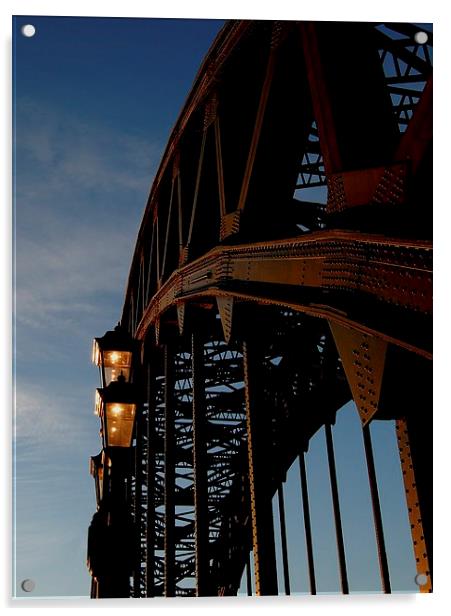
x: 111, y: 537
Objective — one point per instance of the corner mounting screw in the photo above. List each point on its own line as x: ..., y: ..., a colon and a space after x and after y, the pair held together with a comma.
x: 28, y: 585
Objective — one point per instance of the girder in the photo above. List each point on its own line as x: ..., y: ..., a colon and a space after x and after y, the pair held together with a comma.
x: 391, y: 273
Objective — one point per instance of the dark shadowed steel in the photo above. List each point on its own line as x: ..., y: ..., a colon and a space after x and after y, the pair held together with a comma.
x: 380, y: 539
x: 263, y: 309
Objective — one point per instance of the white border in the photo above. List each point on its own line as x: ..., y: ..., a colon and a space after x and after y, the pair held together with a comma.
x: 414, y: 10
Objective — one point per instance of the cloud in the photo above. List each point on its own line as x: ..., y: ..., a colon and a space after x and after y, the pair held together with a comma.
x: 81, y: 191
x: 62, y: 282
x: 46, y: 415
x: 74, y: 153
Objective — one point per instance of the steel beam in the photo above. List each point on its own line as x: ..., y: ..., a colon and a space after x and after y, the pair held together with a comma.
x: 307, y: 524
x: 257, y: 128
x: 219, y: 167
x: 151, y: 467
x: 377, y: 516
x: 336, y: 509
x: 283, y: 538
x: 196, y: 189
x: 259, y: 448
x: 248, y: 576
x: 200, y: 463
x: 414, y: 450
x: 317, y: 274
x: 169, y: 473
x: 168, y: 229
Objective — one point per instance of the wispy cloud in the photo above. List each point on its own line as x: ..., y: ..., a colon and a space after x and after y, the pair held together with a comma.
x: 59, y: 285
x: 75, y: 153
x: 46, y: 416
x: 81, y: 191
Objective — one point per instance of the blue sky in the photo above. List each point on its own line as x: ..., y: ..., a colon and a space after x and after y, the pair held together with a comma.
x: 94, y: 103
x: 95, y: 100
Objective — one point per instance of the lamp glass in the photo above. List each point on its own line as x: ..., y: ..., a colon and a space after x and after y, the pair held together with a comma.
x: 117, y: 363
x: 120, y: 419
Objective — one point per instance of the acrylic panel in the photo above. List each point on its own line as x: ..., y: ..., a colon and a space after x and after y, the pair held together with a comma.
x: 245, y: 208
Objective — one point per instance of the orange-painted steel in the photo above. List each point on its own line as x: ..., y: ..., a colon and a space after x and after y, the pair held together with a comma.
x: 416, y: 506
x: 258, y: 422
x: 391, y: 273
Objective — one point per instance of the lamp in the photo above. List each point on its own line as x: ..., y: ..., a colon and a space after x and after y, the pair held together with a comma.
x: 113, y: 353
x: 116, y: 406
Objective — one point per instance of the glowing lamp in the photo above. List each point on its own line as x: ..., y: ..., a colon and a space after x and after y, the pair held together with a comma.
x: 113, y: 353
x: 116, y: 405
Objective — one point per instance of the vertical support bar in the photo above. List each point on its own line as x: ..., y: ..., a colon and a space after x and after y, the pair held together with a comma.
x: 201, y: 524
x: 151, y: 442
x: 283, y: 536
x: 259, y: 452
x: 336, y: 507
x: 248, y: 576
x: 378, y: 528
x: 169, y: 473
x: 307, y: 524
x: 418, y: 503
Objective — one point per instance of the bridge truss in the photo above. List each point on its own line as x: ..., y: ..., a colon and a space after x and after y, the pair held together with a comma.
x: 283, y: 266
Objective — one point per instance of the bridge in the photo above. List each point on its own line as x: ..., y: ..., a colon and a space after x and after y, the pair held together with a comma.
x: 283, y: 267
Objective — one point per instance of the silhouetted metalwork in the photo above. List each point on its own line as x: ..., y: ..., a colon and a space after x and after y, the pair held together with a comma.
x: 261, y: 309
